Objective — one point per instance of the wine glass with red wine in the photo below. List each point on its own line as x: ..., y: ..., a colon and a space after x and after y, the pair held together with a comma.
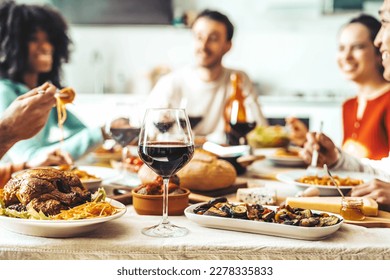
x: 166, y: 146
x: 239, y: 113
x: 124, y: 127
x: 240, y: 120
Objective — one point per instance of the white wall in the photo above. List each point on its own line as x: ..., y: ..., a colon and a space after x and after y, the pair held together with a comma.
x: 284, y: 48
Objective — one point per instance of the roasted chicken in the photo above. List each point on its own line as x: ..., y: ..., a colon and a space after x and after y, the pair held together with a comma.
x: 46, y: 189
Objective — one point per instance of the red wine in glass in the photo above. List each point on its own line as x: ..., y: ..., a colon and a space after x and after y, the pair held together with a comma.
x: 238, y: 131
x: 165, y: 145
x: 124, y: 129
x: 166, y: 158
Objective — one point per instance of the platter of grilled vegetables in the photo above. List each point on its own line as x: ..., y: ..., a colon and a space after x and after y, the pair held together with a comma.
x: 282, y: 221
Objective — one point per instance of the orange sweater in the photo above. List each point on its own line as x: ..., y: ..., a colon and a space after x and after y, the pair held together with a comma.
x: 369, y: 136
x: 6, y: 172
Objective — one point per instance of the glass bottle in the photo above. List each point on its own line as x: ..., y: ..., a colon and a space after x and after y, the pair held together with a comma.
x: 352, y: 209
x: 238, y: 118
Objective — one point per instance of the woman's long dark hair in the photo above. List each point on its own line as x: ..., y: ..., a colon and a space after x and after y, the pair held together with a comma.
x: 17, y: 25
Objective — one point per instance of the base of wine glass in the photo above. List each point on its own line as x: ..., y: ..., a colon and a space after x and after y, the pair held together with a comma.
x: 165, y: 230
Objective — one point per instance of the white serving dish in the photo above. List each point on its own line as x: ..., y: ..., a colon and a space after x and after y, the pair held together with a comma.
x: 59, y: 228
x: 281, y: 230
x: 291, y: 177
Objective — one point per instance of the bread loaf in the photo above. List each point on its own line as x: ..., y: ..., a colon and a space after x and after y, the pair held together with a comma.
x: 205, y: 172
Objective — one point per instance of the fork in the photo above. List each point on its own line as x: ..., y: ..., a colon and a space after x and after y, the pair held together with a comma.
x: 333, y: 180
x: 312, y: 169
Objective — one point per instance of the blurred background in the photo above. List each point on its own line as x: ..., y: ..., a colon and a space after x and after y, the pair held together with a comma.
x: 288, y: 48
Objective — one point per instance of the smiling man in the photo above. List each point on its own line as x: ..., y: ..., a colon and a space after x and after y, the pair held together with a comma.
x: 202, y: 89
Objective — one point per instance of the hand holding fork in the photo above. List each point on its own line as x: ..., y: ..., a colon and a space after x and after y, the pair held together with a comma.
x: 318, y: 150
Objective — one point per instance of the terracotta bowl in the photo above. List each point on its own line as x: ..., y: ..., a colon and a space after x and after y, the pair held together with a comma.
x: 152, y: 204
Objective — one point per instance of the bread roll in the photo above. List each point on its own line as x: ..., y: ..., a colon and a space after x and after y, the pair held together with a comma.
x: 203, y: 173
x: 146, y: 175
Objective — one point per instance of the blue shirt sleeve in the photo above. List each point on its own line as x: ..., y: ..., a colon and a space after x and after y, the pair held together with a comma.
x: 78, y: 138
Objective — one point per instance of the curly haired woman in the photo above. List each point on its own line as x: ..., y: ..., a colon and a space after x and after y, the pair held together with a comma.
x: 33, y: 45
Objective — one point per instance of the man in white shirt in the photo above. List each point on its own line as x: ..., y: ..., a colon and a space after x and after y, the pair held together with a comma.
x: 203, y: 89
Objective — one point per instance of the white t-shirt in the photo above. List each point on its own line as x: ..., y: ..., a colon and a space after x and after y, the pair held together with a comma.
x: 184, y: 89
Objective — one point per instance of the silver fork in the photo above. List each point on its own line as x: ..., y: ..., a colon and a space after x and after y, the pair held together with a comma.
x: 312, y: 169
x: 333, y: 180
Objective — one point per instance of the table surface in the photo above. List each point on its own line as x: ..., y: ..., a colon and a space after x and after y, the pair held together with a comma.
x: 122, y: 239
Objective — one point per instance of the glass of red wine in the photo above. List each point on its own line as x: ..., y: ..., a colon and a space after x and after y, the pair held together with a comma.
x: 124, y: 127
x: 240, y: 123
x: 165, y: 145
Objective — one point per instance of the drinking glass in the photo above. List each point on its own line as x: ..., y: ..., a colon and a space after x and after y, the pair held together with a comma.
x: 124, y: 127
x: 239, y: 128
x: 194, y: 118
x: 239, y: 113
x: 165, y: 145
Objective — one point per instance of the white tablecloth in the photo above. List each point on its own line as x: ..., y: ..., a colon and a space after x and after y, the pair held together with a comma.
x: 122, y: 239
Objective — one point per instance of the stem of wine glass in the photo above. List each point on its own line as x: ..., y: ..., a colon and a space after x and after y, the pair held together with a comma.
x: 165, y: 201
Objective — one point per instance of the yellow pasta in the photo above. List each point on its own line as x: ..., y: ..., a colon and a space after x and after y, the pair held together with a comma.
x: 326, y: 181
x: 66, y: 96
x: 87, y: 210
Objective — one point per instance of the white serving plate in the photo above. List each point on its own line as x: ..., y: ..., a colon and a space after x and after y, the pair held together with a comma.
x: 59, y: 228
x: 102, y: 173
x: 289, y: 161
x: 291, y: 177
x: 281, y: 230
x: 106, y: 176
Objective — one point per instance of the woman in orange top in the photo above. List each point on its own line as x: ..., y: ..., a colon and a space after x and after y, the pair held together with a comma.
x: 366, y: 117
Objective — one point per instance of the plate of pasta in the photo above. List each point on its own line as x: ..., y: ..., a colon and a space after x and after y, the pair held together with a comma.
x: 346, y: 181
x: 77, y: 222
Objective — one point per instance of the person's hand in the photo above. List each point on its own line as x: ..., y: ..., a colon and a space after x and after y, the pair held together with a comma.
x: 377, y: 190
x: 56, y: 157
x: 297, y: 129
x: 27, y: 115
x: 327, y: 150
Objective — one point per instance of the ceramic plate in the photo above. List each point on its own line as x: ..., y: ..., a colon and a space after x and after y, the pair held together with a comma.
x: 283, y: 158
x: 292, y: 176
x: 289, y: 161
x: 59, y: 228
x: 296, y: 232
x: 102, y: 173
